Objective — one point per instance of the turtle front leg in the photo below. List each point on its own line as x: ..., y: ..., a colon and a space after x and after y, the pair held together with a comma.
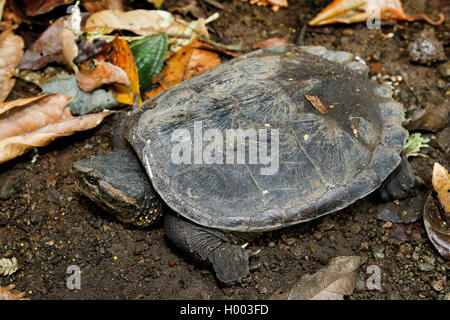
x: 400, y: 183
x: 218, y: 248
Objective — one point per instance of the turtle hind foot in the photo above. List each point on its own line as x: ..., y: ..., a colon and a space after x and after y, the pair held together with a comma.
x: 217, y: 248
x: 400, y: 183
x: 230, y: 262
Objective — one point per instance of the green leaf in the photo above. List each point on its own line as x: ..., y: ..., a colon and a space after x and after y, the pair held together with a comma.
x: 149, y: 54
x: 414, y: 144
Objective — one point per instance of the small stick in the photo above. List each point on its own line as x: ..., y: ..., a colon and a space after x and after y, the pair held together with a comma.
x: 215, y: 4
x: 301, y: 36
x: 205, y: 11
x: 423, y: 16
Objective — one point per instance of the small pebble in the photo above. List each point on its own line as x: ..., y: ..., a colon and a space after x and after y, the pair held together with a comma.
x: 28, y: 257
x: 379, y: 255
x: 439, y: 284
x: 36, y: 218
x: 355, y: 228
x: 364, y: 246
x: 425, y: 267
x: 444, y: 69
x: 290, y: 241
x: 360, y: 285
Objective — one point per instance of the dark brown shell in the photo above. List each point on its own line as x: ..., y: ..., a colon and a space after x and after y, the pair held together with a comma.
x: 328, y: 158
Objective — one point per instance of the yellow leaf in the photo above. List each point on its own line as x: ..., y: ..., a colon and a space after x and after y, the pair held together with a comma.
x: 122, y: 57
x: 156, y: 3
x: 441, y: 184
x: 98, y: 5
x: 185, y: 63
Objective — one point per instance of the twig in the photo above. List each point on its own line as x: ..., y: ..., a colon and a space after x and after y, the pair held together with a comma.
x: 215, y: 4
x: 211, y: 42
x: 301, y: 36
x: 229, y: 47
x: 108, y: 38
x: 205, y: 11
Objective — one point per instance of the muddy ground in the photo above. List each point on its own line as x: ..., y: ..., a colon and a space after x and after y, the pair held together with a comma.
x: 55, y: 226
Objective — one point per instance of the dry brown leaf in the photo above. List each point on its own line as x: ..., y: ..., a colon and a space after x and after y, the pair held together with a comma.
x: 317, y: 103
x: 35, y: 7
x: 103, y: 73
x: 437, y: 226
x: 201, y: 60
x: 15, y: 146
x: 8, y: 266
x: 183, y: 65
x: 275, y: 4
x: 441, y: 184
x: 330, y: 283
x: 69, y: 48
x: 17, y: 103
x: 99, y: 5
x: 122, y: 57
x: 351, y: 11
x: 24, y: 115
x: 11, y: 52
x: 431, y: 119
x: 270, y: 43
x: 436, y: 214
x: 147, y: 22
x: 47, y: 48
x: 8, y: 293
x: 189, y: 7
x: 209, y: 47
x: 142, y: 22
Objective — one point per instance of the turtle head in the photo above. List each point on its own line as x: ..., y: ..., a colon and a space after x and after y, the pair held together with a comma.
x: 116, y: 182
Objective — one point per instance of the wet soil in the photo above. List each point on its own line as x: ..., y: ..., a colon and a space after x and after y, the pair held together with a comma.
x: 48, y: 225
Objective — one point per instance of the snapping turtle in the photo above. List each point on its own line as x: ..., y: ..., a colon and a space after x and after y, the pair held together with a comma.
x: 333, y: 135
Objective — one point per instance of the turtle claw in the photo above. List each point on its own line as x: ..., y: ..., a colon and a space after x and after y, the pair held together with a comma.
x: 351, y: 11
